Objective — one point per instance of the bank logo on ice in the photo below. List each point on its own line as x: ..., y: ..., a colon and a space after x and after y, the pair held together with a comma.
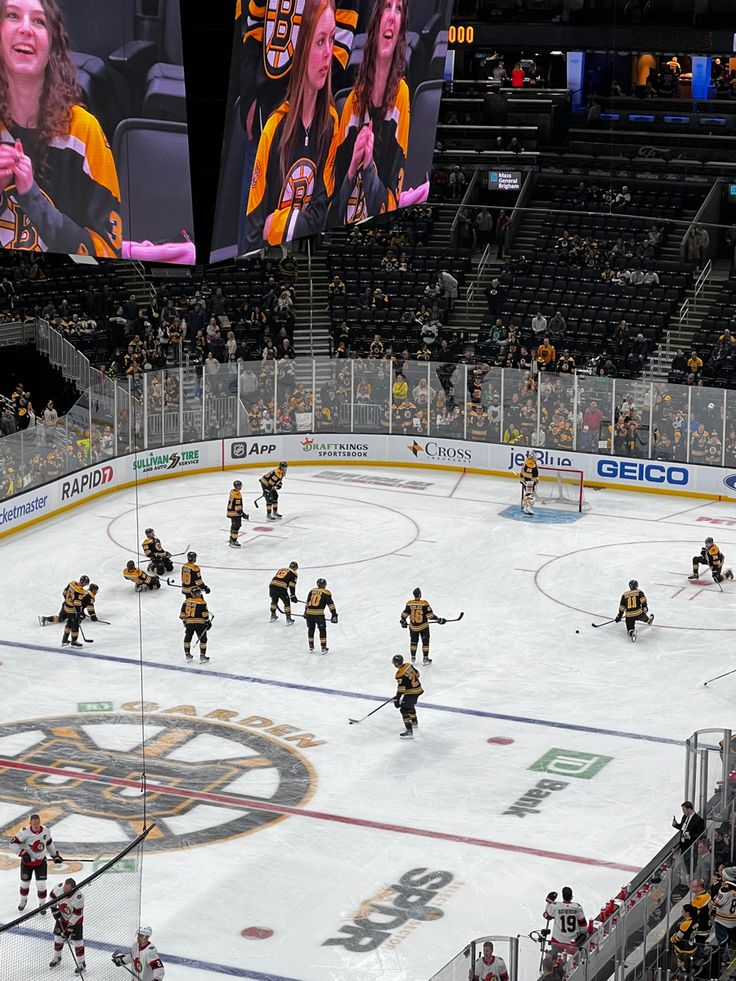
x: 87, y: 768
x: 571, y: 763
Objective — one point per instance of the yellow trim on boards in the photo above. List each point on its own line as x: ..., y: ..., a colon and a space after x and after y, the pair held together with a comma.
x: 402, y: 464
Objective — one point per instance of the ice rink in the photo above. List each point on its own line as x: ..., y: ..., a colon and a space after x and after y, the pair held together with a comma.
x: 292, y: 845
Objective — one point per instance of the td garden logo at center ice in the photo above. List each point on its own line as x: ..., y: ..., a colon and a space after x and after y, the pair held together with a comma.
x: 207, y: 781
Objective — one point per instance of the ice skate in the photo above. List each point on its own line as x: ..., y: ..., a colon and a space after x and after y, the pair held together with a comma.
x: 235, y: 545
x: 203, y: 659
x: 22, y: 904
x: 273, y: 619
x: 56, y: 959
x: 189, y: 657
x: 406, y: 734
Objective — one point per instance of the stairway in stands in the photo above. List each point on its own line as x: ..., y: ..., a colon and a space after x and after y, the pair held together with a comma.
x: 319, y: 345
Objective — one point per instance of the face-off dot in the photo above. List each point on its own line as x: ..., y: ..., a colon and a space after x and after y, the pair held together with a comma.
x: 256, y: 933
x: 499, y: 741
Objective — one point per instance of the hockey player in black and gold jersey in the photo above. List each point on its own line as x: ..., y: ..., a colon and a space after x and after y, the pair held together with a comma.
x: 271, y: 485
x: 88, y: 603
x: 283, y: 588
x: 191, y: 576
x: 235, y: 512
x: 142, y: 581
x: 417, y: 615
x: 197, y: 621
x: 294, y: 170
x: 711, y: 556
x: 159, y: 559
x: 528, y: 477
x: 408, y: 690
x: 374, y: 124
x: 314, y: 611
x: 70, y: 613
x: 634, y: 607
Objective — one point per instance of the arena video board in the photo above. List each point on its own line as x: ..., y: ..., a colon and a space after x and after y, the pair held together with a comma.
x: 94, y: 158
x: 332, y: 116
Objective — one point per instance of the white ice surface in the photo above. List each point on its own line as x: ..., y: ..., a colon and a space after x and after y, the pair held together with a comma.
x: 514, y: 667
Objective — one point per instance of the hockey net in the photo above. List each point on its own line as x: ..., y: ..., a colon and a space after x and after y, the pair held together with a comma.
x: 561, y: 485
x: 112, y: 907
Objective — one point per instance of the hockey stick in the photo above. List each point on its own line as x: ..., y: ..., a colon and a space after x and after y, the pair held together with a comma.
x: 454, y: 619
x: 131, y: 973
x: 612, y: 620
x: 257, y: 500
x: 173, y: 555
x: 302, y: 616
x: 354, y: 722
x: 107, y: 622
x: 85, y: 639
x: 724, y: 675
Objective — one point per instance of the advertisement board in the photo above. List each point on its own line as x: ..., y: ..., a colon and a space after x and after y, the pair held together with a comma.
x: 263, y: 452
x: 99, y: 166
x: 332, y: 115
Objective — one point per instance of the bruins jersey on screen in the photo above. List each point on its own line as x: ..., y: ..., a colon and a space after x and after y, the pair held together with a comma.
x: 74, y: 207
x: 633, y: 602
x: 317, y: 600
x: 299, y: 201
x: 407, y: 677
x: 377, y: 189
x: 269, y: 31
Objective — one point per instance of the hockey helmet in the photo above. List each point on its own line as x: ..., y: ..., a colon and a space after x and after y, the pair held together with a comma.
x: 93, y: 587
x: 293, y: 565
x: 397, y: 660
x: 531, y: 455
x: 321, y: 583
x: 130, y: 565
x: 145, y: 931
x: 149, y: 531
x: 191, y: 556
x: 417, y: 593
x: 84, y: 580
x: 633, y: 584
x: 283, y: 464
x: 709, y: 542
x: 237, y: 484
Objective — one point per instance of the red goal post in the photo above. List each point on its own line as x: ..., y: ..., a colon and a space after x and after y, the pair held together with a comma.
x: 562, y: 485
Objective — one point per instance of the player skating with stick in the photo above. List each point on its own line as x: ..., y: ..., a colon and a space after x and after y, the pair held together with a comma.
x: 142, y: 961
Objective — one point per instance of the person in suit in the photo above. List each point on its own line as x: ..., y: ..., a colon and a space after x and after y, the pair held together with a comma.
x: 691, y: 826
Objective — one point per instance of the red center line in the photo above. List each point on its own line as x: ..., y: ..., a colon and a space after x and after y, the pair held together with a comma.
x: 237, y: 800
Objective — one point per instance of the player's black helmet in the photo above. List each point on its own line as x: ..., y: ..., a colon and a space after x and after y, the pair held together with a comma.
x: 708, y: 542
x: 237, y: 484
x: 149, y: 531
x: 130, y: 565
x: 417, y: 593
x: 293, y: 565
x: 283, y: 464
x: 321, y: 583
x: 191, y: 556
x: 397, y: 660
x: 633, y: 584
x: 93, y: 587
x: 84, y: 580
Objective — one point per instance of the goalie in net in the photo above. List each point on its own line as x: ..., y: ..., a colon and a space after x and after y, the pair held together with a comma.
x: 550, y: 485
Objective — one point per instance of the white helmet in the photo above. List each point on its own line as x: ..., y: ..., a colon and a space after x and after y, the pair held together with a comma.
x: 145, y: 931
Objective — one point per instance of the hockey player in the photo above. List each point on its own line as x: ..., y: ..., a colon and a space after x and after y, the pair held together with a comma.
x: 408, y: 690
x: 568, y: 922
x: 71, y: 611
x: 143, y: 958
x: 319, y: 598
x: 32, y: 845
x: 140, y: 579
x: 271, y: 485
x: 235, y: 512
x: 529, y: 476
x: 488, y: 967
x: 283, y: 587
x: 634, y: 607
x: 88, y: 603
x: 197, y: 621
x: 191, y: 576
x: 711, y: 556
x: 419, y: 614
x: 159, y: 560
x: 68, y: 912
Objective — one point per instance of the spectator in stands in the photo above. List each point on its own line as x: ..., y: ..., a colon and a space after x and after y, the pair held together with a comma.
x: 545, y: 356
x: 484, y: 228
x: 50, y: 421
x: 623, y: 197
x: 517, y: 76
x: 448, y: 286
x: 694, y: 363
x: 498, y: 73
x: 539, y: 324
x: 557, y: 325
x: 691, y: 826
x: 495, y: 296
x: 679, y: 366
x: 592, y: 420
x: 457, y: 183
x: 566, y: 364
x: 502, y: 225
x: 639, y: 350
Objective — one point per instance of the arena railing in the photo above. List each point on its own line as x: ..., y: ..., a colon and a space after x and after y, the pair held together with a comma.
x: 630, y: 936
x: 189, y: 403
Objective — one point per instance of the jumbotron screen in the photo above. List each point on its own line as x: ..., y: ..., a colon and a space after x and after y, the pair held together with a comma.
x: 332, y: 116
x: 94, y: 158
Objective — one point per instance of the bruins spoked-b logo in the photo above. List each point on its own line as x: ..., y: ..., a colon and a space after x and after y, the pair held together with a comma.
x: 206, y: 781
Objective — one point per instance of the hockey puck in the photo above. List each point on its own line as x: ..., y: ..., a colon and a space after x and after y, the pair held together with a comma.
x: 577, y: 631
x: 499, y: 741
x: 256, y: 933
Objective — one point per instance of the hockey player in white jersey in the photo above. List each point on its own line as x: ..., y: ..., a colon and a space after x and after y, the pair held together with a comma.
x: 142, y: 960
x: 567, y: 920
x: 33, y: 845
x: 68, y: 912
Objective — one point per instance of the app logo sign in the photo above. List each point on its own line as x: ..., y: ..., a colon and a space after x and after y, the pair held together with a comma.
x: 571, y: 763
x: 78, y: 486
x: 646, y: 473
x: 241, y: 449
